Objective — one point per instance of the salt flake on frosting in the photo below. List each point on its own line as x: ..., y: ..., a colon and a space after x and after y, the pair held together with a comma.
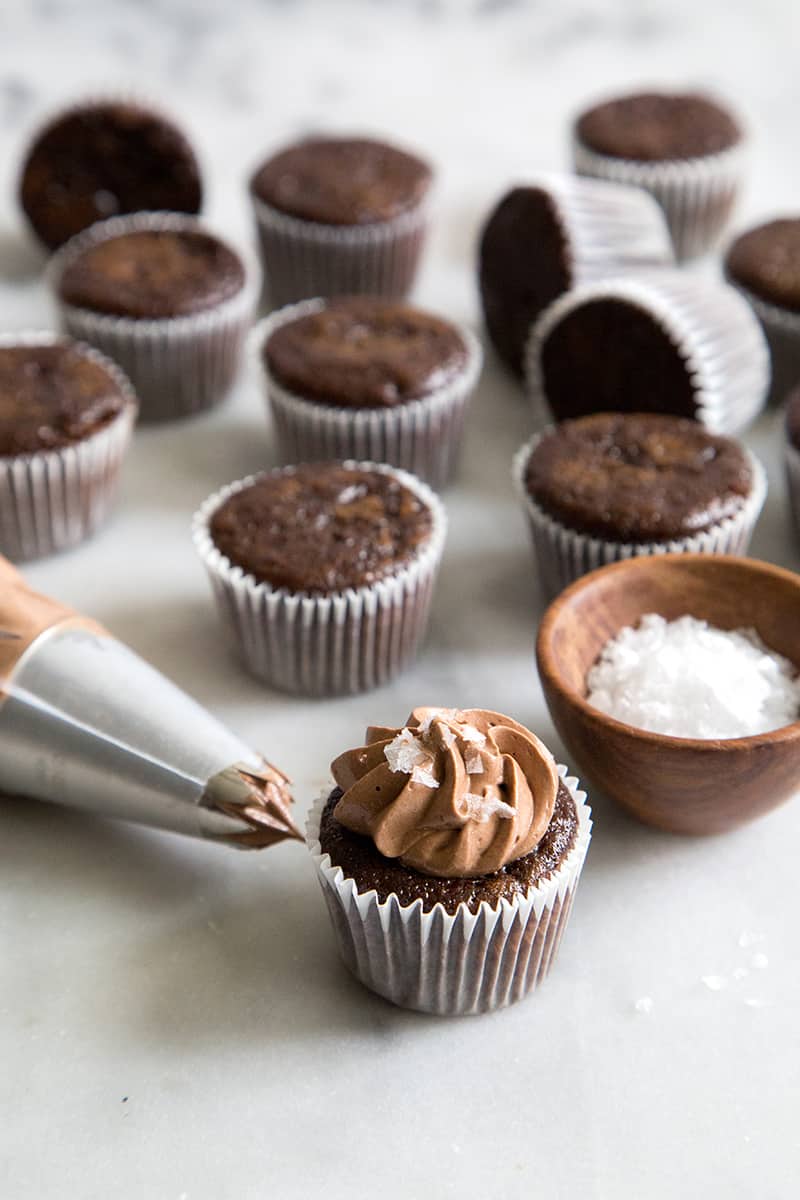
x: 481, y: 808
x: 474, y: 764
x: 470, y: 734
x: 424, y: 776
x: 406, y: 755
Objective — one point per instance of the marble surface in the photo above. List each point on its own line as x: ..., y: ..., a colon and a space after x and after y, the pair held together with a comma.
x: 174, y: 1022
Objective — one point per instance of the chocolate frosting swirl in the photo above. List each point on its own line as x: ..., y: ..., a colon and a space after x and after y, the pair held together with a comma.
x: 454, y: 793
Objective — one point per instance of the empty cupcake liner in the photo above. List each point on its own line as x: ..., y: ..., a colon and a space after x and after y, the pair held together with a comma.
x: 792, y: 462
x: 178, y: 365
x: 697, y: 195
x: 782, y: 331
x: 346, y: 642
x: 302, y: 259
x: 452, y: 965
x: 562, y: 555
x: 423, y: 436
x: 711, y: 325
x: 53, y: 499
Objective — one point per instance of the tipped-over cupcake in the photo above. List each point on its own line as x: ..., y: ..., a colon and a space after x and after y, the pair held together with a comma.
x: 448, y: 854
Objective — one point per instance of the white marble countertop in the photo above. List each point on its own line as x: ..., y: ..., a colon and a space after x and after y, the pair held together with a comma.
x: 174, y: 1022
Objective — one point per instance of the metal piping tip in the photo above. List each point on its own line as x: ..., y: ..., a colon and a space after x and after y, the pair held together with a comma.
x: 259, y: 798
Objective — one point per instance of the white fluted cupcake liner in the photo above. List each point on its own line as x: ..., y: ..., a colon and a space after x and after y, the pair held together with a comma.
x: 562, y: 555
x: 452, y: 965
x: 792, y: 461
x: 423, y: 436
x: 347, y: 642
x: 178, y: 365
x: 51, y: 500
x: 697, y: 195
x: 711, y: 325
x: 782, y: 331
x: 302, y: 259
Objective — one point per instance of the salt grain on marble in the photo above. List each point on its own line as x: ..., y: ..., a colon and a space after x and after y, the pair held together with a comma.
x: 685, y: 678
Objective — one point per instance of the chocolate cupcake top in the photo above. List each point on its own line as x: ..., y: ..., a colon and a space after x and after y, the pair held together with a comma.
x: 793, y: 418
x: 364, y: 352
x: 322, y: 527
x: 342, y: 181
x: 453, y: 793
x: 102, y: 160
x: 148, y: 273
x: 523, y: 265
x: 766, y: 261
x: 658, y: 127
x: 637, y: 477
x: 53, y: 396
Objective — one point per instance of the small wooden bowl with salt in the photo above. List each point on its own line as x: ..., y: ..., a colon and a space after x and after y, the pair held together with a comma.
x: 682, y: 784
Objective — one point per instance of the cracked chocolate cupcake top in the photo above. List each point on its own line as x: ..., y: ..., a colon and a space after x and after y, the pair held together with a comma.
x: 454, y: 793
x: 342, y: 181
x: 766, y: 261
x: 104, y: 159
x: 658, y: 127
x: 153, y: 273
x: 53, y: 396
x: 638, y: 477
x: 364, y: 352
x: 322, y: 527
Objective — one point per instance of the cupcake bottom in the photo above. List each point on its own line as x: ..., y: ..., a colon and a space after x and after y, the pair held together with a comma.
x: 467, y: 962
x: 793, y: 482
x: 782, y: 331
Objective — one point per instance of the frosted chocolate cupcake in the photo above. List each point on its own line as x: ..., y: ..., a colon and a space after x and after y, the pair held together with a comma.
x: 660, y: 341
x: 367, y: 378
x: 448, y: 854
x: 340, y: 216
x: 685, y: 149
x: 66, y: 415
x: 793, y: 454
x: 552, y: 234
x: 764, y: 264
x: 323, y: 573
x: 165, y: 298
x: 612, y: 485
x: 103, y: 158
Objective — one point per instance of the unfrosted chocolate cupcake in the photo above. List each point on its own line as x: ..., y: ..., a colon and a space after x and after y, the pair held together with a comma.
x: 166, y: 299
x: 448, y: 854
x: 323, y: 572
x: 683, y: 148
x: 550, y: 235
x: 368, y: 378
x: 611, y: 485
x: 66, y: 415
x: 101, y: 159
x: 764, y: 263
x: 340, y: 216
x: 792, y: 430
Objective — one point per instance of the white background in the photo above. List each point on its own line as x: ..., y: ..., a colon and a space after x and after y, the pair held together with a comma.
x: 173, y: 1018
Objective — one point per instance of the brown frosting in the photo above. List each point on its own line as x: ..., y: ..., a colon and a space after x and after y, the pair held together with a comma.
x: 656, y: 127
x: 153, y: 273
x: 454, y: 793
x: 766, y: 261
x: 364, y: 352
x: 342, y: 181
x: 53, y: 396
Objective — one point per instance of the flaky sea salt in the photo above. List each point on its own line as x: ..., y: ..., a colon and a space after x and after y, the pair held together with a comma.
x: 481, y: 808
x: 474, y: 764
x: 686, y: 678
x: 406, y: 755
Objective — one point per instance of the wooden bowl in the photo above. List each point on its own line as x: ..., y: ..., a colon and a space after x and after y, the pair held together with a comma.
x: 681, y: 784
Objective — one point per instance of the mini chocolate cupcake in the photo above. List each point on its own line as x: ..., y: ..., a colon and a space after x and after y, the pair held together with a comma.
x: 368, y: 378
x: 340, y: 216
x: 793, y: 454
x: 323, y: 573
x: 163, y: 297
x: 764, y: 264
x: 448, y: 855
x: 659, y: 341
x: 66, y: 415
x: 555, y: 233
x: 685, y: 149
x: 613, y: 485
x: 103, y: 158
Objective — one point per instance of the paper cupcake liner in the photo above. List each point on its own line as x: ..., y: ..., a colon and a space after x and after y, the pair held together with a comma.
x: 303, y: 259
x: 782, y: 331
x: 711, y: 325
x: 697, y: 195
x: 423, y: 436
x: 347, y: 642
x: 792, y: 461
x: 178, y: 365
x: 452, y: 965
x: 53, y: 499
x: 562, y: 555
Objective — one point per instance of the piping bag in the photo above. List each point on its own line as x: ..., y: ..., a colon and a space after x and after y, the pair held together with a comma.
x: 86, y: 723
